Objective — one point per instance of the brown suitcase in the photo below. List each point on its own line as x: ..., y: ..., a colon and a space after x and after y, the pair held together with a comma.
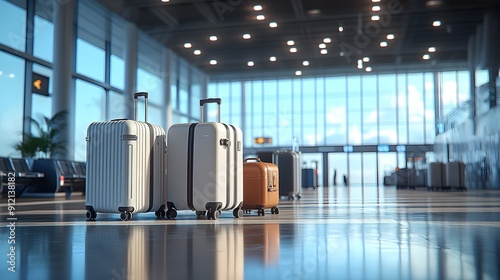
x: 260, y: 186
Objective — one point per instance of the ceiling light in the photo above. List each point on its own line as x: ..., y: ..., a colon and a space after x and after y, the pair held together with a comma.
x: 290, y: 43
x: 164, y: 1
x: 375, y: 1
x: 322, y: 45
x: 298, y: 73
x: 273, y: 24
x: 293, y: 50
x: 247, y: 36
x: 272, y: 58
x: 366, y: 59
x: 376, y: 8
x: 341, y: 53
x: 390, y: 36
x: 250, y: 63
x: 261, y: 17
x: 426, y: 56
x: 323, y: 51
x: 197, y: 52
x: 436, y: 23
x: 213, y: 38
x: 187, y: 45
x: 360, y: 66
x: 431, y: 49
x: 368, y: 69
x: 257, y: 8
x: 341, y: 28
x: 360, y: 61
x: 305, y: 63
x: 375, y: 18
x: 433, y: 3
x: 383, y: 44
x: 327, y: 40
x: 213, y: 62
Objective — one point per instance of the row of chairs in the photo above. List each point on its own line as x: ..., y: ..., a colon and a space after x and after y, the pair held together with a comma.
x: 47, y: 176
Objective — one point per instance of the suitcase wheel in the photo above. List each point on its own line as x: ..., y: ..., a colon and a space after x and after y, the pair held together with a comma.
x: 275, y: 210
x: 126, y: 216
x: 261, y: 212
x: 160, y: 214
x: 213, y: 215
x: 91, y: 215
x: 171, y: 214
x: 237, y: 212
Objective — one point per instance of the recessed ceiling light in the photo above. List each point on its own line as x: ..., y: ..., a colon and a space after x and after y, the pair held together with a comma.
x: 375, y: 17
x: 298, y: 73
x: 247, y: 36
x: 383, y: 44
x: 433, y: 3
x: 257, y: 8
x: 426, y: 56
x: 368, y: 69
x: 213, y: 62
x: 293, y: 50
x: 341, y: 53
x: 366, y: 59
x: 290, y: 42
x: 436, y: 23
x: 213, y: 38
x: 341, y: 28
x: 197, y: 52
x: 390, y: 36
x: 314, y: 12
x: 273, y: 24
x: 323, y: 51
x: 360, y: 66
x: 327, y: 40
x: 261, y: 17
x: 250, y: 63
x: 187, y: 45
x: 322, y: 46
x: 164, y: 1
x: 272, y: 58
x: 305, y: 63
x: 431, y: 49
x: 375, y: 1
x: 376, y: 8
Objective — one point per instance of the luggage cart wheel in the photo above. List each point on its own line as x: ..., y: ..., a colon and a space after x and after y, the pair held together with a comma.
x: 200, y: 213
x: 216, y: 215
x: 261, y: 212
x: 91, y: 215
x: 160, y: 214
x: 275, y: 210
x: 171, y: 213
x: 299, y: 196
x: 237, y: 213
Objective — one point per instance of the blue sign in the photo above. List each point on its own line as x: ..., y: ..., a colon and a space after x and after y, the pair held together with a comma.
x: 401, y: 148
x: 348, y: 149
x: 383, y: 148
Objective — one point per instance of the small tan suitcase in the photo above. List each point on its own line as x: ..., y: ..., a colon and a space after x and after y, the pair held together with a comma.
x: 260, y: 186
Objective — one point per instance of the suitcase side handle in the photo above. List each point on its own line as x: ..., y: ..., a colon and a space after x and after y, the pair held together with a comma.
x: 207, y: 101
x: 136, y: 96
x: 256, y: 159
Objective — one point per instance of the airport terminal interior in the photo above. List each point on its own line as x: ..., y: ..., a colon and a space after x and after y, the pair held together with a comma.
x: 390, y: 108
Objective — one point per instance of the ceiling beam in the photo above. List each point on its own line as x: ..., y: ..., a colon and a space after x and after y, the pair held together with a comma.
x: 206, y: 12
x: 164, y: 16
x: 298, y: 9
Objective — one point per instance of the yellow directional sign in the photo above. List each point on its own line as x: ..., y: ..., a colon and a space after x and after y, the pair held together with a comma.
x: 40, y: 84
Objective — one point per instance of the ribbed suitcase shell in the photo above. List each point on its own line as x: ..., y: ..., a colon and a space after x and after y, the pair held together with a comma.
x: 208, y: 172
x: 260, y: 185
x: 436, y: 175
x: 125, y: 167
x: 455, y: 175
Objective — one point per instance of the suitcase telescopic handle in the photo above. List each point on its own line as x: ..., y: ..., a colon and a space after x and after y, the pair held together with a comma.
x: 207, y: 101
x: 256, y: 159
x: 136, y: 96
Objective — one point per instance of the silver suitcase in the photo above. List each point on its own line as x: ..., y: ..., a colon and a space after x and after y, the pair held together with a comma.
x: 455, y: 175
x: 125, y: 167
x: 205, y: 170
x: 436, y: 176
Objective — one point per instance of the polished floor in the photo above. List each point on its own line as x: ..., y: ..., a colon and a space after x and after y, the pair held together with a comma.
x: 338, y: 232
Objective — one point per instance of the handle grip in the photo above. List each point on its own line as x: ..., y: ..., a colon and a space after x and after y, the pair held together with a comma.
x: 136, y: 96
x: 256, y: 159
x: 207, y: 101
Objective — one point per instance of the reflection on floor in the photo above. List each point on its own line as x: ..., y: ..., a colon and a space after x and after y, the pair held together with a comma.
x: 331, y: 233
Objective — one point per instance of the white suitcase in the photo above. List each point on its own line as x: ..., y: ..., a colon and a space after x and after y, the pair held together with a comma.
x: 455, y: 175
x: 436, y: 176
x: 125, y: 167
x: 205, y: 171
